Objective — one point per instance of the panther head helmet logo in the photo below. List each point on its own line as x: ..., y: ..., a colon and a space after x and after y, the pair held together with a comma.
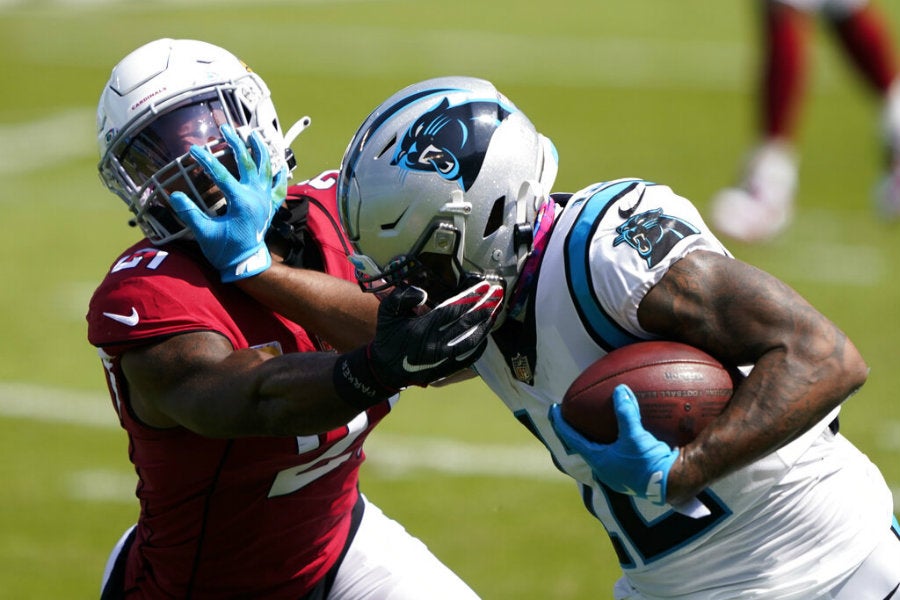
x: 451, y: 140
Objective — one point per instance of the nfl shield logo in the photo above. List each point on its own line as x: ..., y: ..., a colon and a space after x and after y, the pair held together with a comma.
x: 521, y: 368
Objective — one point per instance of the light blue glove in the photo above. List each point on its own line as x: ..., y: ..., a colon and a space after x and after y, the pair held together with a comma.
x: 234, y: 243
x: 636, y: 463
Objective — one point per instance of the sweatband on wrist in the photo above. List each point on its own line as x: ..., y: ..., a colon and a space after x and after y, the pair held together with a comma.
x: 355, y: 382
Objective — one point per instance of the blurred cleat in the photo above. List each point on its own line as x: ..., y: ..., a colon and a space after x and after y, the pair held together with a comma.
x: 762, y: 206
x: 887, y: 193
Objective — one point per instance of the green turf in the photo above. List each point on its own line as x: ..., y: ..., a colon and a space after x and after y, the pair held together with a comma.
x: 660, y: 90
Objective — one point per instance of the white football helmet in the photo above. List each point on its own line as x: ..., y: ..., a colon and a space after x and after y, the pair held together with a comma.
x: 441, y: 183
x: 161, y: 99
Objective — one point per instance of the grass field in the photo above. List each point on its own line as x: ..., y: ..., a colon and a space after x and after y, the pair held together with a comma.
x: 660, y: 90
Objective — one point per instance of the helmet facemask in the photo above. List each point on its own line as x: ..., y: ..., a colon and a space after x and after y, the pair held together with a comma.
x: 159, y: 101
x: 146, y: 165
x: 434, y: 263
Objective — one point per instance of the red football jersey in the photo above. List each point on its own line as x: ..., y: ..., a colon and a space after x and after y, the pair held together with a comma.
x: 249, y: 517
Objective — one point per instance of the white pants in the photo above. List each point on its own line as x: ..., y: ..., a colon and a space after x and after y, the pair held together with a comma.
x: 385, y: 562
x: 875, y: 578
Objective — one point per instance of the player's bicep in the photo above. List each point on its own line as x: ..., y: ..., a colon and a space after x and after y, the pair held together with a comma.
x: 722, y: 305
x: 190, y: 380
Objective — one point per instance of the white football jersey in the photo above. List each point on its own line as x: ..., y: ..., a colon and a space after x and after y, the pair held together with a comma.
x: 791, y: 525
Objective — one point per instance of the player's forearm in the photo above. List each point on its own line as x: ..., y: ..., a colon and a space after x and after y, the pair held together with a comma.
x: 334, y: 309
x: 294, y: 394
x: 251, y: 393
x: 783, y: 397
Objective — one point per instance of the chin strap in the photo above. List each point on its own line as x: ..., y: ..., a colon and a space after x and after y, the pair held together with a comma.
x: 529, y: 203
x: 295, y: 130
x: 523, y: 286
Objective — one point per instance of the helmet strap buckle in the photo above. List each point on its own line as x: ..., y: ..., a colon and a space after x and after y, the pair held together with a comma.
x: 523, y: 234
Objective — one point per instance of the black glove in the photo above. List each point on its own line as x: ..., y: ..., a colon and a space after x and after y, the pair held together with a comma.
x: 413, y: 347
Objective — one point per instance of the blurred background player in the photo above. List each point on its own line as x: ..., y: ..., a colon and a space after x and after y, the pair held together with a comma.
x: 447, y: 182
x: 244, y: 434
x: 761, y: 205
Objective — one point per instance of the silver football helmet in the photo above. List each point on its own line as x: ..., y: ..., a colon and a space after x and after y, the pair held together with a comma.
x: 161, y: 99
x: 442, y: 183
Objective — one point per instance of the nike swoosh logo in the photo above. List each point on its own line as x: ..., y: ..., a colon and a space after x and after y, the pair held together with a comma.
x: 130, y: 320
x: 627, y: 212
x: 411, y: 368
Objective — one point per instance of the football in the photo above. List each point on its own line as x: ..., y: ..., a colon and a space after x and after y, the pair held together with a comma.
x: 679, y: 389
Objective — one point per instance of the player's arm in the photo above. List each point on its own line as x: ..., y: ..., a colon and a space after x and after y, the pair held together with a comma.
x: 197, y: 380
x: 335, y: 309
x: 804, y: 365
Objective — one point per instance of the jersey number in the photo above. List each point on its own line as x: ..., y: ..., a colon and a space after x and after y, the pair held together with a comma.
x: 299, y: 476
x: 154, y: 258
x: 652, y: 539
x: 659, y: 537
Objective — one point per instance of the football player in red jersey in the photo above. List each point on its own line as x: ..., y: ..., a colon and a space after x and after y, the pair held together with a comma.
x: 760, y: 206
x: 245, y: 422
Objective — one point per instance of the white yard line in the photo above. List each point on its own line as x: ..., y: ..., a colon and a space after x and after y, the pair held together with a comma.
x: 391, y: 455
x: 570, y: 61
x: 54, y: 138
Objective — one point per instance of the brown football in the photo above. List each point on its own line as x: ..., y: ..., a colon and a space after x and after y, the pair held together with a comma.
x: 679, y: 389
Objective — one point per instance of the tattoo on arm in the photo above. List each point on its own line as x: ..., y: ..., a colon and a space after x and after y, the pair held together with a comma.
x: 804, y: 365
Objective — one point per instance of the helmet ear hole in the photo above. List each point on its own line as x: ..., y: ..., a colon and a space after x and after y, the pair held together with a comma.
x: 495, y: 219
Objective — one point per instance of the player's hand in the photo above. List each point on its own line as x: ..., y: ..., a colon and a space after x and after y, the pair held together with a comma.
x: 234, y: 243
x: 416, y: 346
x: 416, y: 349
x: 636, y: 463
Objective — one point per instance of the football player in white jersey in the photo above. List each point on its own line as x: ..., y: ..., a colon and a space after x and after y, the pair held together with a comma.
x: 447, y: 182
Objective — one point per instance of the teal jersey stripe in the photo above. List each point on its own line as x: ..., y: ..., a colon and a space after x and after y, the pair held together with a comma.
x: 602, y: 328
